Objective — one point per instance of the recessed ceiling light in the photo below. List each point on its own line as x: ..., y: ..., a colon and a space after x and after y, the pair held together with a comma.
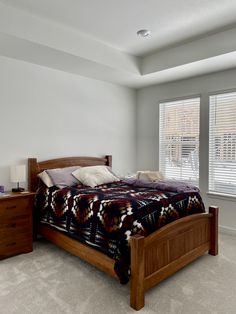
x: 143, y: 33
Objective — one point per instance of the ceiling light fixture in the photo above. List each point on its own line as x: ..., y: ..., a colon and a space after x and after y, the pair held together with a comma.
x: 143, y: 33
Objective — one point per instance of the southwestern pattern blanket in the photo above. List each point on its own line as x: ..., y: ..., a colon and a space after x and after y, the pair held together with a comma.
x: 106, y: 216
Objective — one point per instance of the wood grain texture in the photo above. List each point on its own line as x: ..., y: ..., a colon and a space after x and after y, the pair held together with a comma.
x: 171, y: 268
x: 175, y: 248
x: 169, y: 249
x: 137, y: 272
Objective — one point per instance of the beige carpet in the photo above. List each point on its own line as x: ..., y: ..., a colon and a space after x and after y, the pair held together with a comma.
x: 49, y: 280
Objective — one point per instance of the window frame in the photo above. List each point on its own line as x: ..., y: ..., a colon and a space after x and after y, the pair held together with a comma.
x: 176, y: 99
x: 211, y: 192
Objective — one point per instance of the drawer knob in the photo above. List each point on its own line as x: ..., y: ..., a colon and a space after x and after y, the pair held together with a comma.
x: 11, y: 207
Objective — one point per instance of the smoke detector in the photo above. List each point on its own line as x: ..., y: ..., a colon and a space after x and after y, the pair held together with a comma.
x: 143, y: 33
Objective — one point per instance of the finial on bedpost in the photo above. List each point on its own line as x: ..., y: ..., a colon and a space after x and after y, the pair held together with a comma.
x: 214, y: 210
x: 109, y: 160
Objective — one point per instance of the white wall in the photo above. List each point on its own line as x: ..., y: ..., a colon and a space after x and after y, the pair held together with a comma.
x: 148, y: 132
x: 46, y: 113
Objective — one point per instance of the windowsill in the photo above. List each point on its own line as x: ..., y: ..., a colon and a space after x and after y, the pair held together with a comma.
x: 228, y: 197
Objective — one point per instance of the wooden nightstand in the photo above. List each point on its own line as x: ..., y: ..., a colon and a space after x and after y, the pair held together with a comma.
x: 16, y: 223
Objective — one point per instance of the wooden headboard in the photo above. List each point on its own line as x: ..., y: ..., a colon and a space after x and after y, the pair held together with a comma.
x: 35, y: 167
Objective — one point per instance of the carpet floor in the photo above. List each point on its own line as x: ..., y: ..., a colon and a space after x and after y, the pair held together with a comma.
x: 50, y: 281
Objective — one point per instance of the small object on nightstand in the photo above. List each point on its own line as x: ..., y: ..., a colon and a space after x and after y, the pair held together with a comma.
x: 16, y: 231
x: 18, y: 175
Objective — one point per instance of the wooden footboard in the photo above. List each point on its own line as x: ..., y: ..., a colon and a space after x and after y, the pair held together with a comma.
x: 164, y: 252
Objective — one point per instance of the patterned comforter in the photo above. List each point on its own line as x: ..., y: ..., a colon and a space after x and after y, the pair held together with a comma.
x: 106, y: 216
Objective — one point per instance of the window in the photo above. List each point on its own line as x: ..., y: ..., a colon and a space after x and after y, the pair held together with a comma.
x: 222, y: 143
x: 179, y: 139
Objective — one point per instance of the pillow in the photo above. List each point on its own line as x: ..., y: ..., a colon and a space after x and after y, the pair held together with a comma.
x: 62, y: 177
x: 151, y: 176
x: 94, y: 175
x: 45, y: 178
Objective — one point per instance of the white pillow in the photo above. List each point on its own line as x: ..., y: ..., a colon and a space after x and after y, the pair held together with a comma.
x: 94, y: 175
x: 45, y: 178
x: 151, y: 176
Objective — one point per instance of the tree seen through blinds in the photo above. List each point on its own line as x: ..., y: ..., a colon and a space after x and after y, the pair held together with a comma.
x: 179, y: 139
x: 222, y: 143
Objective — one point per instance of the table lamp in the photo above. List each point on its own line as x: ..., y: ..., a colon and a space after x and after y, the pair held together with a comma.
x: 18, y: 174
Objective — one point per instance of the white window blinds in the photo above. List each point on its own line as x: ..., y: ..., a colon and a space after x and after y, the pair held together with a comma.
x: 179, y: 139
x: 222, y: 143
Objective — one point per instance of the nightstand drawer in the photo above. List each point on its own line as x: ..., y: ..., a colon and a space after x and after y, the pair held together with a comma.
x: 6, y: 219
x: 21, y: 243
x: 12, y: 227
x: 14, y: 207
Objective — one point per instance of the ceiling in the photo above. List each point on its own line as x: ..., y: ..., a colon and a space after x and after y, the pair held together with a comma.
x: 97, y: 38
x: 115, y: 22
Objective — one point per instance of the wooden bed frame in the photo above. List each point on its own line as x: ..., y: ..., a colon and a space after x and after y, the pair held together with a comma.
x: 153, y: 258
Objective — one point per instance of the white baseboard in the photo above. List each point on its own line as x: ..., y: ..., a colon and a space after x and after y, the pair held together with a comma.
x: 227, y: 230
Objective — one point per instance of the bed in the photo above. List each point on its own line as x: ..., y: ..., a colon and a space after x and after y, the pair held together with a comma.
x: 153, y: 257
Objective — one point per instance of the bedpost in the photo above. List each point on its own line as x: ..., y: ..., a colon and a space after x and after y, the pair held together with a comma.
x: 109, y: 160
x: 214, y: 230
x: 32, y: 174
x: 137, y: 272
